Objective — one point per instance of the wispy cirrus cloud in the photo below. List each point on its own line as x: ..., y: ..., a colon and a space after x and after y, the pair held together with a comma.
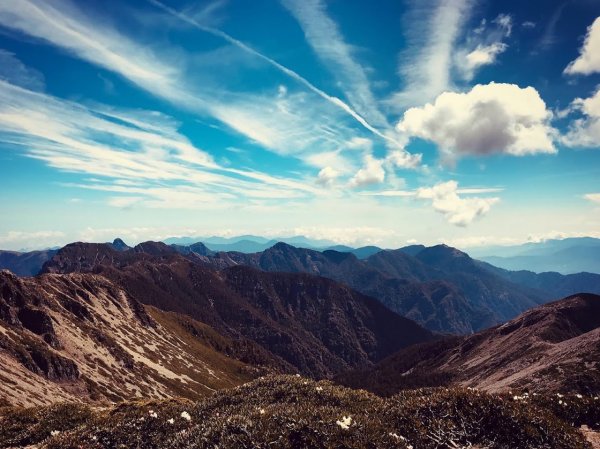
x: 593, y: 197
x: 325, y: 38
x: 483, y: 46
x: 433, y: 27
x: 284, y: 121
x: 283, y: 124
x: 14, y: 71
x: 335, y: 101
x: 138, y: 153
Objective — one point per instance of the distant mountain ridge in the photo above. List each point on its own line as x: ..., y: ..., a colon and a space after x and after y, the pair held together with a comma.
x: 566, y: 256
x: 255, y: 244
x: 25, y: 264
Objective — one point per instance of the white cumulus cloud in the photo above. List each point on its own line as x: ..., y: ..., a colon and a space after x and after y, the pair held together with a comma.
x: 490, y: 118
x: 585, y: 130
x: 327, y: 175
x: 458, y: 210
x: 484, y: 55
x: 403, y: 159
x: 371, y: 173
x: 589, y: 58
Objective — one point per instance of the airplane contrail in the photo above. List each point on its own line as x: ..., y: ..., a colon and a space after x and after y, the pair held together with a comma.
x: 289, y: 72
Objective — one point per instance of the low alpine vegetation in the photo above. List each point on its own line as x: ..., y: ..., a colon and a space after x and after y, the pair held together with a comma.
x: 292, y: 412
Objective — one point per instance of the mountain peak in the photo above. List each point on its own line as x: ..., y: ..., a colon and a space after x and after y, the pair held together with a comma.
x: 119, y: 245
x: 443, y: 256
x: 153, y: 248
x: 282, y: 246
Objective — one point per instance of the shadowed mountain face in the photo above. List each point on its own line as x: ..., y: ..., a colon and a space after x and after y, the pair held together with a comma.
x: 80, y: 337
x: 555, y: 347
x: 310, y: 323
x: 25, y: 264
x: 439, y: 287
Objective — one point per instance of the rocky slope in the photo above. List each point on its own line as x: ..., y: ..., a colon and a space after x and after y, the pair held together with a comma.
x: 81, y: 337
x: 315, y: 325
x: 555, y: 347
x: 292, y: 412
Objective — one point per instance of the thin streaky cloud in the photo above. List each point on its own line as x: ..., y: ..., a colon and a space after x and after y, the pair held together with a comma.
x: 283, y: 125
x: 324, y: 36
x: 289, y: 72
x: 425, y: 66
x: 71, y: 137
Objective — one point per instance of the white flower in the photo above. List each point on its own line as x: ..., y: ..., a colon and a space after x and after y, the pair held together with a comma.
x: 153, y: 414
x: 54, y: 432
x: 171, y: 421
x: 345, y: 422
x: 186, y: 416
x: 579, y: 396
x: 398, y: 437
x: 319, y: 388
x: 261, y: 411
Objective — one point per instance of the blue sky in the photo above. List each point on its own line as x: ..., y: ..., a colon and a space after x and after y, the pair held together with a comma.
x: 462, y: 121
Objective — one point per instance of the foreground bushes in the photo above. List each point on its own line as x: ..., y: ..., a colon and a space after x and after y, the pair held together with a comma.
x: 291, y: 412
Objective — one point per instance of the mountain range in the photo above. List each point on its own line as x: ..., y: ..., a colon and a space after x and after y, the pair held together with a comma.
x: 316, y: 325
x: 440, y: 287
x: 565, y: 256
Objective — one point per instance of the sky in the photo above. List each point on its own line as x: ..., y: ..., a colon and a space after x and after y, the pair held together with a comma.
x: 468, y: 122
